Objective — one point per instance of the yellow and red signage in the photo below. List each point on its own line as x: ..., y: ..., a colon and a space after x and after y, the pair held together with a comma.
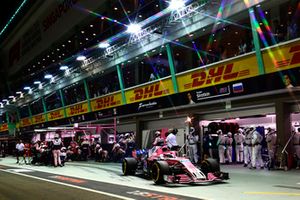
x: 25, y: 122
x: 151, y: 91
x: 38, y: 119
x: 237, y: 69
x: 77, y: 109
x: 282, y: 58
x: 106, y: 102
x: 56, y: 114
x: 3, y: 127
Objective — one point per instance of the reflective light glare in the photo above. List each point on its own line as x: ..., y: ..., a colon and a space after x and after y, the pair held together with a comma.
x: 81, y: 58
x: 133, y: 28
x: 40, y: 86
x: 48, y: 76
x: 176, y: 4
x: 37, y: 82
x: 63, y: 67
x: 103, y: 45
x: 272, y: 115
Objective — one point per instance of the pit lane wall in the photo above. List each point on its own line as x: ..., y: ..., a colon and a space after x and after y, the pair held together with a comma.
x: 233, y: 77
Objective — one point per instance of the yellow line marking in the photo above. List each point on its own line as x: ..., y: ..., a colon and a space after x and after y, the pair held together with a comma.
x: 274, y: 193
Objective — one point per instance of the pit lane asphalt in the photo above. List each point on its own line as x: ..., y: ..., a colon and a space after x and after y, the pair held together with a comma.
x: 19, y: 183
x: 244, y: 184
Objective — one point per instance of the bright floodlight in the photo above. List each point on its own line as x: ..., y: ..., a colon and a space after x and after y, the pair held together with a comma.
x: 63, y: 67
x: 103, y: 45
x: 48, y: 76
x: 81, y: 58
x: 133, y: 28
x: 26, y: 88
x: 37, y: 82
x: 176, y: 4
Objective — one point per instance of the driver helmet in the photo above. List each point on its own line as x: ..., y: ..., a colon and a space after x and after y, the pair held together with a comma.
x: 229, y: 134
x: 157, y: 133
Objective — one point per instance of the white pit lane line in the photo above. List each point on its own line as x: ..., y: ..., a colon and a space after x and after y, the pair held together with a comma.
x: 66, y: 184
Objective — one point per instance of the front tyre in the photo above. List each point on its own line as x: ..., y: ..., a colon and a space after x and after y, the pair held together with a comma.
x: 210, y: 166
x: 159, y: 169
x: 129, y: 166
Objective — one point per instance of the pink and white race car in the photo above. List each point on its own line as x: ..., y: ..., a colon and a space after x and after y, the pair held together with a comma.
x: 164, y: 166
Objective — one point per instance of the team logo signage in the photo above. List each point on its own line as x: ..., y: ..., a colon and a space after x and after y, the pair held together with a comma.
x: 26, y: 122
x: 151, y: 91
x: 282, y: 58
x: 37, y: 119
x: 54, y: 115
x: 77, y: 109
x: 106, y: 102
x: 3, y: 127
x: 218, y: 74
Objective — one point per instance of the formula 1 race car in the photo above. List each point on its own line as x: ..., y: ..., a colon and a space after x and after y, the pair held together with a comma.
x: 164, y: 166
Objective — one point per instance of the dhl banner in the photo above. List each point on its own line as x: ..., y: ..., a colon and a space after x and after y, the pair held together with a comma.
x: 56, y: 114
x: 282, y: 58
x: 25, y: 122
x: 77, y: 109
x: 106, y: 102
x: 233, y: 70
x: 151, y: 91
x: 38, y: 119
x: 3, y: 127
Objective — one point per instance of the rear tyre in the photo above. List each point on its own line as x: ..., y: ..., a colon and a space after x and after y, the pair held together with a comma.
x: 129, y: 166
x: 159, y: 169
x: 210, y: 166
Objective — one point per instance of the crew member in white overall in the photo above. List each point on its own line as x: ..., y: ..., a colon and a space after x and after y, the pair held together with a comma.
x: 229, y: 142
x: 239, y: 139
x: 248, y: 146
x: 192, y: 140
x: 296, y: 144
x: 221, y: 145
x: 257, y: 138
x: 271, y: 138
x: 57, y: 144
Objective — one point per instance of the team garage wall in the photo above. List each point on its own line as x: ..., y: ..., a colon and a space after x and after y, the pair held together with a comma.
x: 242, y: 112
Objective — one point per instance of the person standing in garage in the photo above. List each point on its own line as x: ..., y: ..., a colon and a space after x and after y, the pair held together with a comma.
x: 271, y: 138
x: 221, y: 145
x: 239, y: 139
x: 192, y: 140
x: 247, y: 147
x: 296, y: 144
x: 171, y: 140
x: 257, y: 138
x: 229, y: 142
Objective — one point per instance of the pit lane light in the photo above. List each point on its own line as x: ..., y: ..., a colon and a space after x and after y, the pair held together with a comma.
x: 40, y: 85
x: 48, y: 76
x: 6, y: 101
x: 1, y: 105
x: 29, y: 89
x: 176, y: 4
x: 133, y: 28
x: 80, y: 58
x: 21, y: 94
x: 13, y: 98
x: 103, y: 45
x: 66, y: 69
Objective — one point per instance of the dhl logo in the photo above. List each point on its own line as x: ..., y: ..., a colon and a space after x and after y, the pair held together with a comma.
x: 106, y: 102
x: 39, y: 118
x: 148, y: 92
x: 77, y: 109
x: 26, y: 121
x: 294, y: 60
x: 55, y: 115
x: 214, y: 76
